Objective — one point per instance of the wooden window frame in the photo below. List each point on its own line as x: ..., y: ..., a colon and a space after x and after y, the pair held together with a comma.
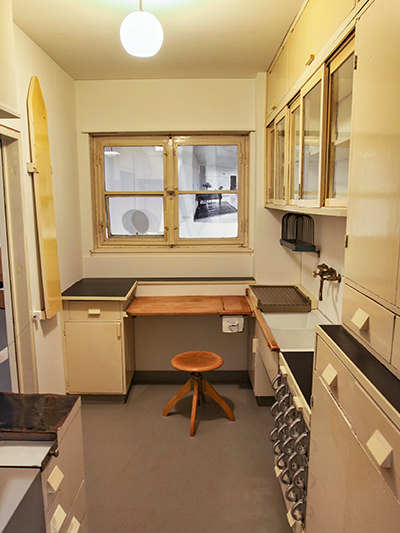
x: 170, y: 239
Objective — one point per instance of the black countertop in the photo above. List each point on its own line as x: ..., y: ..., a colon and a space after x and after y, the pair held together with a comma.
x: 33, y: 416
x: 100, y: 288
x: 386, y: 382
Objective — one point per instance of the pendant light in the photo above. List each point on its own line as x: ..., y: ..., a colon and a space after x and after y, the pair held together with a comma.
x: 141, y: 33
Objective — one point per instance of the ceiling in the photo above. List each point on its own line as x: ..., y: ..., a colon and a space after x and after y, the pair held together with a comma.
x: 202, y: 38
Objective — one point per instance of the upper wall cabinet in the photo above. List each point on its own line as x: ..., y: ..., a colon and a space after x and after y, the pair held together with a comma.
x: 373, y: 223
x: 317, y: 23
x: 316, y: 129
x: 8, y: 89
x: 277, y: 85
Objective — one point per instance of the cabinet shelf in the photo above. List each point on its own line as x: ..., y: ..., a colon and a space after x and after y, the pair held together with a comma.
x: 299, y: 246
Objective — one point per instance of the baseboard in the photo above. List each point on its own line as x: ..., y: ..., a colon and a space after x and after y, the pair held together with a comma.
x: 172, y: 376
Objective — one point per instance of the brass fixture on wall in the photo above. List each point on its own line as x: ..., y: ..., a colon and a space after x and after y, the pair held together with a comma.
x: 326, y: 274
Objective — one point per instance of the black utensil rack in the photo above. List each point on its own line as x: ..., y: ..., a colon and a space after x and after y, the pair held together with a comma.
x: 298, y: 233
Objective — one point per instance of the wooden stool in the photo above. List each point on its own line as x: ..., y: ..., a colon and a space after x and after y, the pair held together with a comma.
x: 197, y: 362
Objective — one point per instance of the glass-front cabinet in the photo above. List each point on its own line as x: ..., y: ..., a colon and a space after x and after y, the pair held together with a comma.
x: 341, y: 70
x: 308, y: 143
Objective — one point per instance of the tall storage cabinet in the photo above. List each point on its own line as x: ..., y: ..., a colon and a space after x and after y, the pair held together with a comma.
x: 373, y: 224
x: 98, y: 341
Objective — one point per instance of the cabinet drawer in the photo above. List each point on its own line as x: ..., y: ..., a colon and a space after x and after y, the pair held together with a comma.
x: 369, y: 321
x: 378, y: 435
x: 63, y: 475
x: 334, y: 375
x: 92, y: 310
x: 75, y: 519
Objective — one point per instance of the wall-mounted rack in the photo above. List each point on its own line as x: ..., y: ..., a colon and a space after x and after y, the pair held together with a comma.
x: 298, y: 233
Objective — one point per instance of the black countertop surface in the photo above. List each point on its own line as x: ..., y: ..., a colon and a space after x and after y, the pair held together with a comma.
x: 386, y: 382
x: 100, y: 287
x: 33, y: 416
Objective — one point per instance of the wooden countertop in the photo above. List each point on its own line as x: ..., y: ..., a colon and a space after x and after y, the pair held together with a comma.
x: 188, y: 305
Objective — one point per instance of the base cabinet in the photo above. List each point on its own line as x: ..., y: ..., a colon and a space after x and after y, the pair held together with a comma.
x: 348, y: 491
x: 262, y: 364
x: 98, y: 341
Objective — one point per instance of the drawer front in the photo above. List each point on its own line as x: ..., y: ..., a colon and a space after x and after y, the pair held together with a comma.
x: 369, y: 321
x: 334, y: 375
x: 92, y: 310
x: 269, y: 358
x: 396, y: 344
x: 75, y: 519
x: 63, y: 475
x: 378, y: 435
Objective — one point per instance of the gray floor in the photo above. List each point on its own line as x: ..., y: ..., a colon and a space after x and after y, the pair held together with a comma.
x: 145, y: 474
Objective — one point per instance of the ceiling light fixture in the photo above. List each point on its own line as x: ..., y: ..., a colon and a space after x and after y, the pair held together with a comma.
x: 141, y: 33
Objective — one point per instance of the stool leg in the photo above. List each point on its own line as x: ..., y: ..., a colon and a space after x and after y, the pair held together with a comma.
x: 202, y: 395
x: 194, y: 406
x: 187, y: 387
x: 216, y: 397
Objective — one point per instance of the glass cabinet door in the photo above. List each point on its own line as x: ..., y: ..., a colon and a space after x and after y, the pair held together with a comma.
x: 269, y: 186
x: 280, y: 159
x: 312, y: 114
x: 294, y: 151
x: 340, y: 103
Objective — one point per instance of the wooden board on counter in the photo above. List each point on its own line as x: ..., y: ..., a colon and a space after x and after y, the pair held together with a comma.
x: 188, y: 305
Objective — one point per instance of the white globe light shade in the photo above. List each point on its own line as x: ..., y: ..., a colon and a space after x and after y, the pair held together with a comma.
x: 141, y: 34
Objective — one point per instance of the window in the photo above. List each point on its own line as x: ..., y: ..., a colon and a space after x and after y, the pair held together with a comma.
x: 174, y: 191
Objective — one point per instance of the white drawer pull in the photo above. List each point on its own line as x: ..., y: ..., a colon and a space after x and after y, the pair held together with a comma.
x: 380, y: 449
x: 94, y: 312
x: 57, y: 519
x: 330, y: 376
x: 360, y: 320
x: 54, y: 480
x: 283, y: 371
x: 74, y: 526
x: 297, y: 403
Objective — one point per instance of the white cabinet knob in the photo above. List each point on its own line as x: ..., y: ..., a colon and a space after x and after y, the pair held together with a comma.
x: 360, y: 320
x: 380, y: 449
x: 330, y: 376
x: 74, y: 526
x: 57, y: 519
x: 54, y: 480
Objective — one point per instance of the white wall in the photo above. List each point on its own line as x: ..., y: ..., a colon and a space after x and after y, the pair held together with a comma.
x: 58, y: 91
x: 159, y: 106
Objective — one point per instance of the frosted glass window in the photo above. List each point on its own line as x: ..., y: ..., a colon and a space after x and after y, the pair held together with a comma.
x: 311, y: 142
x: 134, y: 168
x: 207, y: 168
x: 208, y: 216
x: 340, y: 116
x: 142, y: 215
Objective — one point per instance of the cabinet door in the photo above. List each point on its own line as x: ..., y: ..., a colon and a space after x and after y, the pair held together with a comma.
x: 270, y: 147
x: 280, y: 158
x: 313, y: 128
x: 345, y: 490
x: 94, y: 360
x: 295, y: 127
x: 373, y: 223
x: 277, y: 81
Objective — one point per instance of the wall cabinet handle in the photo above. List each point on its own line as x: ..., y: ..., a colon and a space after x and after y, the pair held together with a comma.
x: 360, y: 320
x: 54, y: 480
x: 57, y: 519
x: 380, y: 449
x: 330, y: 376
x: 118, y: 330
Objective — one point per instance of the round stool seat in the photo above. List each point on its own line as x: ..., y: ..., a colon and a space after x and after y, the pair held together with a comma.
x: 197, y: 361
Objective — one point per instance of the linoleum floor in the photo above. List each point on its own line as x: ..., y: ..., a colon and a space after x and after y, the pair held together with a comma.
x: 146, y: 475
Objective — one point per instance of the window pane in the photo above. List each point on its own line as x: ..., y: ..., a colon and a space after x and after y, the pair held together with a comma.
x: 311, y: 146
x: 339, y: 147
x: 136, y: 216
x: 208, y: 216
x: 207, y: 168
x: 133, y: 168
x: 280, y: 160
x: 295, y: 154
